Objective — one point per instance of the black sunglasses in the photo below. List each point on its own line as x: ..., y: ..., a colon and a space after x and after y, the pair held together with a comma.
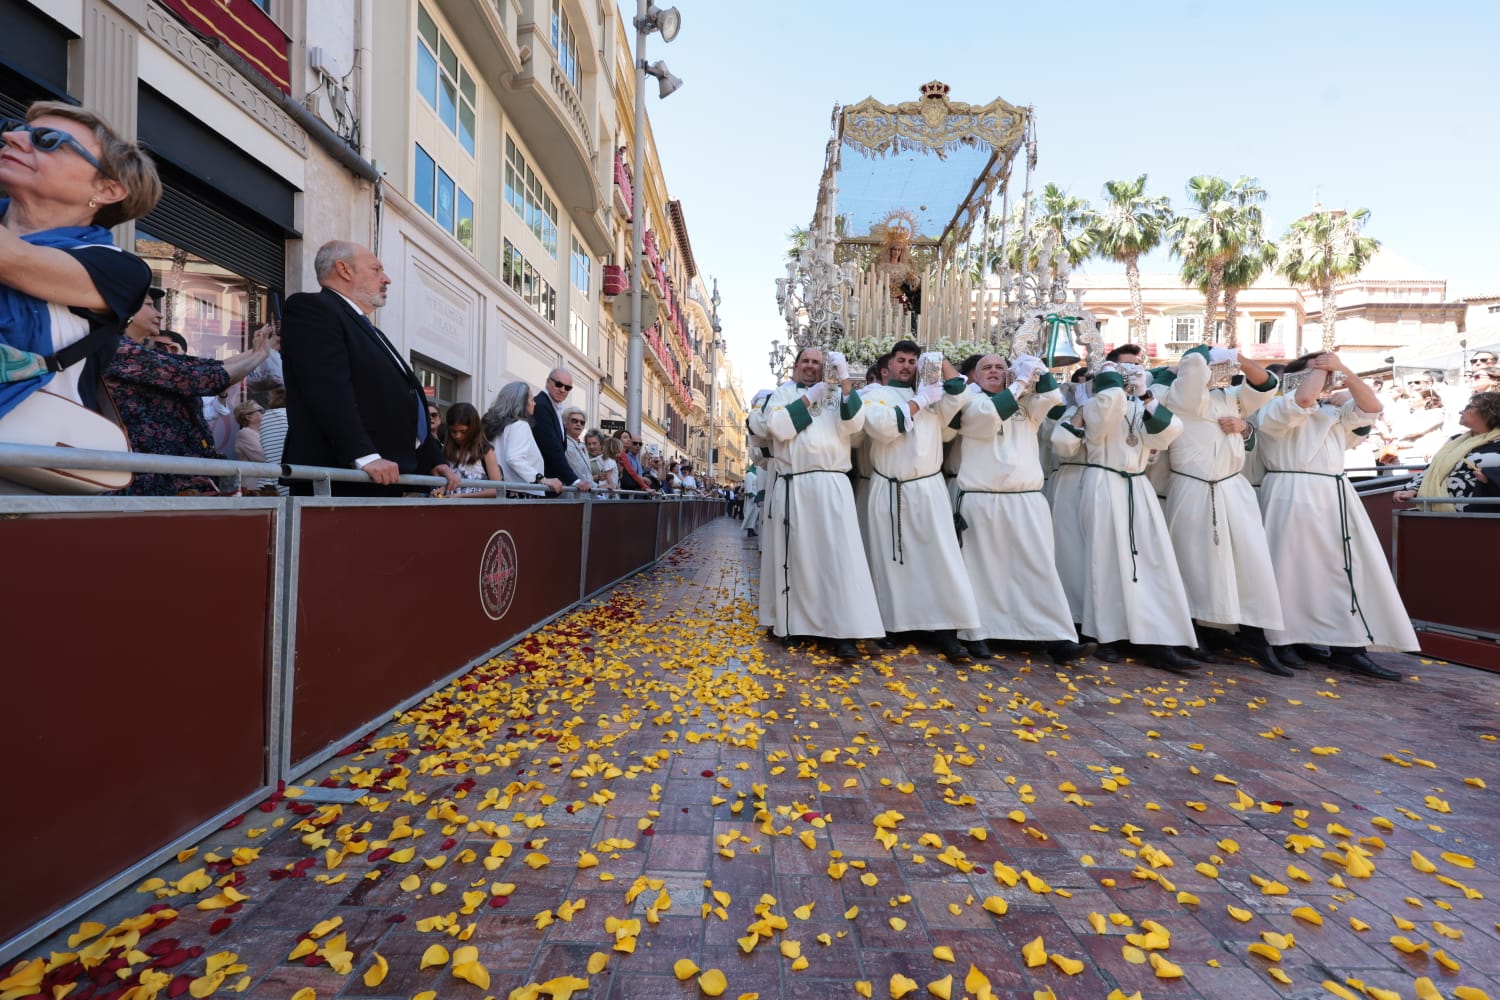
x: 564, y: 386
x: 49, y: 140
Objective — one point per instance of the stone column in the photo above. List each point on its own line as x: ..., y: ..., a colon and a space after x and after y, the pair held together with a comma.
x: 1289, y: 338
x: 103, y: 71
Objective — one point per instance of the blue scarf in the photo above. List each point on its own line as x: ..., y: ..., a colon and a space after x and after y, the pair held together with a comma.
x: 24, y: 320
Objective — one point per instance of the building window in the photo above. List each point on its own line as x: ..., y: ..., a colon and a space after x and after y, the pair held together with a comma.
x: 578, y: 332
x: 523, y: 279
x: 439, y: 384
x: 582, y: 267
x: 1185, y: 329
x: 525, y: 195
x: 443, y: 81
x: 1265, y: 331
x: 436, y: 194
x: 564, y: 44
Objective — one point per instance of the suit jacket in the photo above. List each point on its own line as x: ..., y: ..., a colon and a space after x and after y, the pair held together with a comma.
x: 549, y: 438
x: 348, y: 394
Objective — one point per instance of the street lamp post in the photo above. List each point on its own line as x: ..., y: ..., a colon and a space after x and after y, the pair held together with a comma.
x: 713, y: 379
x: 648, y: 18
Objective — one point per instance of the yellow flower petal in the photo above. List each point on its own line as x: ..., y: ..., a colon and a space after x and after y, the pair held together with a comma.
x: 901, y: 986
x: 712, y: 983
x: 434, y: 957
x: 375, y: 974
x: 1034, y: 952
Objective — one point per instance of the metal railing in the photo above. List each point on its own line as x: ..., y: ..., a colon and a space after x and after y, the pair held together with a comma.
x: 238, y: 473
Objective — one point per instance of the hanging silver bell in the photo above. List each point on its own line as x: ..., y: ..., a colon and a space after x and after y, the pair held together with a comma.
x: 1060, y: 351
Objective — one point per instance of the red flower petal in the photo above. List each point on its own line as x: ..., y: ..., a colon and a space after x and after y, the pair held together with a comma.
x: 219, y: 926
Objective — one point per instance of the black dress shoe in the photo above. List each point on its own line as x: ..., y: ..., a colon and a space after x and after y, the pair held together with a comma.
x: 1289, y: 657
x: 1064, y: 653
x: 845, y: 650
x: 1314, y: 654
x: 950, y: 647
x: 1167, y: 658
x: 1109, y: 653
x: 886, y: 642
x: 1264, y: 655
x: 1359, y: 662
x: 980, y: 649
x: 1199, y: 655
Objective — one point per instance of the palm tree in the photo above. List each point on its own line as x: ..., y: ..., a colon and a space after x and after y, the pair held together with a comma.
x: 796, y: 242
x: 1059, y: 233
x: 1228, y: 218
x: 1241, y: 272
x: 1322, y: 248
x: 1131, y: 224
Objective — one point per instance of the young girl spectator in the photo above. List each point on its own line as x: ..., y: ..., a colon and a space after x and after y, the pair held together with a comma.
x: 469, y: 452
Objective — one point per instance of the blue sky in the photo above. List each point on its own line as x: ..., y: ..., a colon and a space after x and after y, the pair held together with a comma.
x: 1379, y: 105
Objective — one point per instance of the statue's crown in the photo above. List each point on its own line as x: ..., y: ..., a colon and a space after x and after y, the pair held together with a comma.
x: 934, y: 90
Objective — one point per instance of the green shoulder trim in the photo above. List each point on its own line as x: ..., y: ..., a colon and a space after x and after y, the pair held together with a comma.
x: 797, y: 410
x: 1162, y: 376
x: 1005, y: 404
x: 1250, y: 441
x: 1361, y: 431
x: 1158, y: 421
x: 1201, y: 349
x: 954, y: 386
x: 902, y: 416
x: 1046, y: 383
x: 1269, y: 385
x: 1075, y: 431
x: 1108, y: 380
x: 957, y: 421
x: 1056, y: 413
x: 851, y: 406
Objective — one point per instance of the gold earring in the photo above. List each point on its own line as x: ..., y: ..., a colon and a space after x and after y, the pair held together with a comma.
x: 93, y: 203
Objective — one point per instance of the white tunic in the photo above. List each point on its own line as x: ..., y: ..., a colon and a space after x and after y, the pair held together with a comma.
x: 1007, y: 548
x: 913, y: 550
x: 1211, y: 509
x: 1134, y: 591
x: 821, y: 585
x: 1332, y: 592
x: 750, y: 520
x: 1064, y: 491
x: 770, y: 528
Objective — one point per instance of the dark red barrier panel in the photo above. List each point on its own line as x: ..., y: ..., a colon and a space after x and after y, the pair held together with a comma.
x: 132, y: 723
x: 666, y: 527
x: 1382, y: 510
x: 622, y: 539
x: 390, y: 600
x: 1430, y: 551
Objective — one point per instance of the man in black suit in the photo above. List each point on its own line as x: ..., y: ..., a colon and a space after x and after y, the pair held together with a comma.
x: 351, y: 399
x: 547, y: 428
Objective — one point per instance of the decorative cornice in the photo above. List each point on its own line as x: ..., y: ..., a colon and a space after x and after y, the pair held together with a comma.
x: 191, y: 51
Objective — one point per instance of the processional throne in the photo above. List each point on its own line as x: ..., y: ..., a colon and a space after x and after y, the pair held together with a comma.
x: 893, y: 253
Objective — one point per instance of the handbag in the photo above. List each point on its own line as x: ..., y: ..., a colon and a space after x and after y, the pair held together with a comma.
x: 50, y: 420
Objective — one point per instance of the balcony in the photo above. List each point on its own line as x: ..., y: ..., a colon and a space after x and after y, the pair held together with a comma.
x: 624, y: 190
x: 553, y: 121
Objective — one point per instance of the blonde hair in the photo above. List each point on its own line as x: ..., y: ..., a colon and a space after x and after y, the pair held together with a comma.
x: 125, y: 162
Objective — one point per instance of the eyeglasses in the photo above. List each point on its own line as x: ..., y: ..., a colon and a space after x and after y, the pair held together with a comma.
x: 1476, y: 360
x: 49, y: 140
x: 564, y: 386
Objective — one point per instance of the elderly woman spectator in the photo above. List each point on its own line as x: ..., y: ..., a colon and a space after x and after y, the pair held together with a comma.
x: 574, y: 421
x: 63, y: 283
x: 508, y: 423
x: 273, y: 433
x: 603, y: 469
x: 247, y: 417
x: 1468, y: 465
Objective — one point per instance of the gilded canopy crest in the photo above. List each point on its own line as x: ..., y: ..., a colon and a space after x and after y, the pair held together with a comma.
x: 931, y: 123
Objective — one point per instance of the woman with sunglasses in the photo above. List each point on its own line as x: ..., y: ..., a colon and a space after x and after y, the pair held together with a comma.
x: 67, y: 179
x: 468, y: 451
x: 508, y: 423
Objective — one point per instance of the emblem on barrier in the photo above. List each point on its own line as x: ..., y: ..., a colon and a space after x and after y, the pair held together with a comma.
x: 498, y: 571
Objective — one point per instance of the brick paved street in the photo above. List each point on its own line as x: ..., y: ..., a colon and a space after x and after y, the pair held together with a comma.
x: 647, y: 781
